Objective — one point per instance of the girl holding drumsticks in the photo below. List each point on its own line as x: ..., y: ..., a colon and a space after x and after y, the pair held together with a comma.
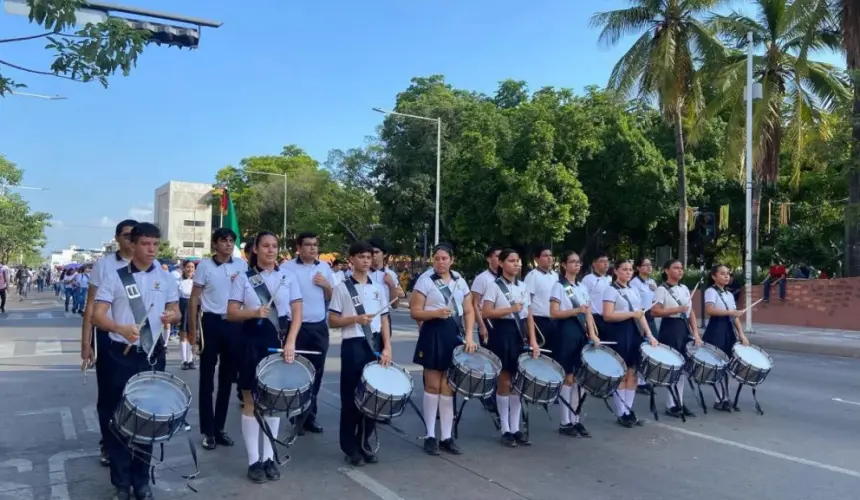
x: 268, y: 302
x: 507, y: 305
x: 623, y: 314
x: 442, y: 306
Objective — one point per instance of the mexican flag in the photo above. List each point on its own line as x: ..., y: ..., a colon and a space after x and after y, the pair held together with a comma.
x: 230, y: 221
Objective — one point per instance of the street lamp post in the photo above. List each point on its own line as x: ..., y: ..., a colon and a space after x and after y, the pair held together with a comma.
x: 285, y: 196
x: 39, y: 96
x: 753, y: 90
x: 438, y: 122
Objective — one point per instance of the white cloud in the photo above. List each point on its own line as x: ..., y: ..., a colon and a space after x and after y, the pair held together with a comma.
x: 106, y: 221
x: 141, y: 212
x: 56, y: 223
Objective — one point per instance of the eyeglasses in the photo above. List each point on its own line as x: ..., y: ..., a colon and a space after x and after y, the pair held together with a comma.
x: 573, y: 262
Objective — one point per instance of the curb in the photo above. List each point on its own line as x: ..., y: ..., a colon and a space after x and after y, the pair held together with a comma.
x: 841, y: 351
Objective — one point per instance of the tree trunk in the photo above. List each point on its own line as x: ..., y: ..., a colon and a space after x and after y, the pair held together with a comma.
x: 852, y: 210
x: 682, y: 188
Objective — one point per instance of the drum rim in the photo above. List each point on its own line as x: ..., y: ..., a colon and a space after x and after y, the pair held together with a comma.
x: 555, y: 364
x: 271, y: 359
x: 757, y: 348
x: 169, y: 377
x: 649, y: 359
x: 691, y: 346
x: 490, y: 355
x: 393, y: 365
x: 611, y: 352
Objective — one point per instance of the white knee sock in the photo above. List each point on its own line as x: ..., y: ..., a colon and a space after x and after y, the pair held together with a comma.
x: 251, y: 436
x: 431, y: 406
x: 574, y: 396
x: 670, y: 402
x: 446, y: 416
x: 185, y: 351
x: 565, y: 394
x: 640, y: 379
x: 515, y: 413
x: 619, y: 396
x: 503, y: 406
x: 629, y: 395
x: 274, y: 424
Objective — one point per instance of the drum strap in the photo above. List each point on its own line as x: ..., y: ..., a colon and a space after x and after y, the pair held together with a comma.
x: 574, y: 300
x: 259, y: 285
x: 445, y: 290
x: 138, y: 310
x: 629, y: 304
x: 500, y: 282
x: 373, y: 340
x: 680, y: 304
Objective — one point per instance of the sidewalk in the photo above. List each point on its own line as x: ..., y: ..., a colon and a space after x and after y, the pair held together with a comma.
x: 842, y: 343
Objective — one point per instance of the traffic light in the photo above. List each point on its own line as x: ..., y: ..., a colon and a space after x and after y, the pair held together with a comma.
x: 708, y: 226
x: 166, y: 34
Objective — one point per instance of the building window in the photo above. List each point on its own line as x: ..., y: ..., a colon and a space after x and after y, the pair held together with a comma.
x: 193, y: 223
x: 192, y: 244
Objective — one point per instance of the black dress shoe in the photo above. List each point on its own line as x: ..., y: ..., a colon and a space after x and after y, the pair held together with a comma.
x: 122, y: 494
x: 449, y: 446
x: 369, y: 458
x: 354, y: 460
x: 256, y: 473
x: 312, y: 426
x: 143, y: 493
x: 223, y: 439
x: 209, y: 443
x: 522, y: 438
x: 104, y: 459
x: 271, y: 470
x: 431, y: 446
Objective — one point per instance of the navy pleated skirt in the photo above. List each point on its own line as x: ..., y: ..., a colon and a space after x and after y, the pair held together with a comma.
x: 437, y: 340
x: 506, y: 342
x: 627, y: 340
x: 720, y: 333
x: 566, y: 344
x: 258, y: 339
x: 674, y: 333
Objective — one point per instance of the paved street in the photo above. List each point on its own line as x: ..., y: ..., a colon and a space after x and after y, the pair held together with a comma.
x: 804, y: 447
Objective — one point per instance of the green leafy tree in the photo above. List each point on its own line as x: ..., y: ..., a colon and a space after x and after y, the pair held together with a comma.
x: 93, y: 52
x: 22, y: 231
x: 165, y: 252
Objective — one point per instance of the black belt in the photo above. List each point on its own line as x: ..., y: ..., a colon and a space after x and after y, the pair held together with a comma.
x: 122, y: 346
x: 217, y: 315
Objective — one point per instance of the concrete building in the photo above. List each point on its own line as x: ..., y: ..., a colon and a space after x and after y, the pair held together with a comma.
x: 184, y: 214
x: 75, y: 254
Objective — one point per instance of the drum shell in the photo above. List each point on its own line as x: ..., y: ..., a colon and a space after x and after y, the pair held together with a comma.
x: 472, y: 383
x: 657, y: 373
x: 378, y: 405
x: 702, y: 372
x: 146, y: 428
x: 293, y: 401
x: 595, y: 383
x: 746, y: 373
x: 533, y: 390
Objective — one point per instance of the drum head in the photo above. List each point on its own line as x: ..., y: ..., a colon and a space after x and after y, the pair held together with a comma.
x: 753, y: 356
x: 663, y: 354
x: 542, y: 368
x: 708, y: 354
x: 481, y: 361
x: 391, y: 380
x: 276, y: 373
x: 159, y: 394
x: 604, y: 361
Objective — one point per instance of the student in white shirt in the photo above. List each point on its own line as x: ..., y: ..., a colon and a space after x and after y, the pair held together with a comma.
x: 186, y: 287
x: 510, y: 313
x: 445, y: 324
x: 282, y: 319
x: 622, y: 312
x: 479, y: 289
x: 355, y: 350
x: 539, y: 282
x: 597, y: 282
x: 570, y: 308
x: 724, y: 325
x: 646, y: 286
x: 673, y: 303
x: 128, y: 351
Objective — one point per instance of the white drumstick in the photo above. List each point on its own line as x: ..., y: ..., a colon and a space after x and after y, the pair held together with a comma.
x: 690, y: 306
x: 395, y: 299
x: 309, y: 353
x: 753, y: 305
x: 139, y: 326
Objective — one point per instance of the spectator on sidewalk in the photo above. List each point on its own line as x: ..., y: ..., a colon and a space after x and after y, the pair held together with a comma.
x: 4, y: 283
x: 776, y: 274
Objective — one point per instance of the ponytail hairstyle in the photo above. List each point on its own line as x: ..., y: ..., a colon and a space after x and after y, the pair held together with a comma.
x: 618, y: 263
x: 503, y: 256
x: 561, y: 272
x: 669, y: 263
x: 252, y: 259
x: 443, y: 247
x: 713, y: 272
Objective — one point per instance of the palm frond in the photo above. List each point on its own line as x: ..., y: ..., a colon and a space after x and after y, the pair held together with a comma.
x: 619, y: 23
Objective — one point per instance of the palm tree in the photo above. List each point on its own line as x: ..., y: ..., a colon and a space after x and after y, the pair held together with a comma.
x: 661, y: 66
x: 797, y: 93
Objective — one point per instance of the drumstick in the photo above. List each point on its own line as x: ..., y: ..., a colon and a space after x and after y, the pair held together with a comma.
x: 310, y: 353
x: 271, y: 300
x: 603, y: 343
x: 527, y: 348
x: 386, y: 307
x: 139, y: 326
x: 690, y: 305
x: 753, y: 305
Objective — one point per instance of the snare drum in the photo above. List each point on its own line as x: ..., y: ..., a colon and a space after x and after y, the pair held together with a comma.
x: 538, y: 380
x: 750, y: 364
x: 474, y: 374
x: 152, y: 408
x: 706, y: 364
x: 602, y: 371
x: 383, y: 391
x: 284, y: 387
x: 661, y: 365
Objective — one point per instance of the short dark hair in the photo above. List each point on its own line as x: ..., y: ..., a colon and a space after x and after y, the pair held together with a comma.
x: 541, y: 249
x: 378, y: 243
x: 144, y: 230
x: 599, y: 255
x: 222, y: 233
x: 360, y: 247
x: 307, y: 235
x: 123, y: 224
x: 491, y: 250
x: 445, y: 247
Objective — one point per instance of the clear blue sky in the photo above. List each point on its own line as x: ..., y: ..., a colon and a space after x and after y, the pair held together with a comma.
x: 279, y: 73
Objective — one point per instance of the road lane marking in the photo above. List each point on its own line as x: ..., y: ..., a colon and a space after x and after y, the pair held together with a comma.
x: 840, y: 400
x: 91, y: 418
x: 46, y: 347
x: 369, y: 484
x: 761, y: 451
x: 7, y: 349
x: 65, y: 419
x: 14, y: 316
x: 19, y: 464
x: 44, y: 315
x: 57, y: 472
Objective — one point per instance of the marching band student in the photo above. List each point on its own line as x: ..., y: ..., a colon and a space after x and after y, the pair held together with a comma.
x: 479, y: 288
x: 186, y: 342
x: 127, y: 353
x: 441, y: 304
x: 337, y: 268
x: 91, y: 345
x: 724, y: 326
x: 622, y: 312
x: 597, y: 282
x: 220, y: 340
x: 252, y: 292
x: 570, y: 308
x: 539, y: 283
x: 315, y: 280
x: 673, y: 303
x: 355, y: 349
x: 646, y: 286
x: 381, y: 274
x: 507, y: 305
